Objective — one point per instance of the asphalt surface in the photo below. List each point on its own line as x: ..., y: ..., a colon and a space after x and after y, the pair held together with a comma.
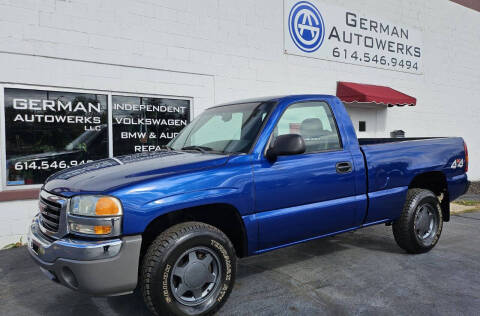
x: 357, y: 273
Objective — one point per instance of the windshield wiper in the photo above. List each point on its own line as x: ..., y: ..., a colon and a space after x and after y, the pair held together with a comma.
x: 201, y: 149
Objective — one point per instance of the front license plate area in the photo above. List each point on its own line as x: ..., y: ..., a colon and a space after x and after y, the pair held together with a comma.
x: 35, y: 247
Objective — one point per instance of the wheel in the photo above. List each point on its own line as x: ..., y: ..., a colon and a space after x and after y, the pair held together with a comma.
x: 189, y: 269
x: 420, y: 224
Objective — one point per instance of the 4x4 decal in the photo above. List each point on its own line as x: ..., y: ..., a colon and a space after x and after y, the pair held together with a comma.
x: 457, y: 163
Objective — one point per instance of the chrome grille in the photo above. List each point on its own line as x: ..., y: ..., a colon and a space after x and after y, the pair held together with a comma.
x: 50, y: 209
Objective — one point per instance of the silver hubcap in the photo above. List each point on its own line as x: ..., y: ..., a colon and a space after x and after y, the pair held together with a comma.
x: 426, y: 223
x: 195, y: 275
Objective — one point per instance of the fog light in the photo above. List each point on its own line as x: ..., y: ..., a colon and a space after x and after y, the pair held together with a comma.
x: 69, y: 277
x: 90, y: 229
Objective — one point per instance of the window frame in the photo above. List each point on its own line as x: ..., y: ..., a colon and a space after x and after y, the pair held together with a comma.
x: 109, y: 93
x: 267, y: 146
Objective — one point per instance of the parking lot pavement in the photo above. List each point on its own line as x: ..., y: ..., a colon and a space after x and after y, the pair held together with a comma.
x: 362, y: 272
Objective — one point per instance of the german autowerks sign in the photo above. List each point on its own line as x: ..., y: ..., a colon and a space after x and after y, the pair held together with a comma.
x: 313, y: 29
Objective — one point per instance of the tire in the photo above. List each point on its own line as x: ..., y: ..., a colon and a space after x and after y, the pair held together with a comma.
x: 419, y: 227
x: 189, y: 269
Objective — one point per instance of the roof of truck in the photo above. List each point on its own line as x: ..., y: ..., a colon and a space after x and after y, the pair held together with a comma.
x: 274, y: 98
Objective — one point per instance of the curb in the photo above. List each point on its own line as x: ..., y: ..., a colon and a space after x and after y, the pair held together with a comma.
x: 460, y: 209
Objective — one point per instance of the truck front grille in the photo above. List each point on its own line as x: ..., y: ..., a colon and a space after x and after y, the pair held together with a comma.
x: 50, y: 208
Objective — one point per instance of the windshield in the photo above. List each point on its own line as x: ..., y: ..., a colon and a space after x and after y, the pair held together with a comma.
x: 226, y: 129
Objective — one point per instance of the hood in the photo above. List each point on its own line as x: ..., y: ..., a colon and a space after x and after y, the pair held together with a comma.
x: 113, y: 173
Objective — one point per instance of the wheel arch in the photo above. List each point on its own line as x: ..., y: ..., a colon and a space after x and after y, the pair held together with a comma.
x: 223, y: 216
x: 435, y: 181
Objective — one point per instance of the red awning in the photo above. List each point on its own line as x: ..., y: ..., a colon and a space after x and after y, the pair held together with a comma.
x: 367, y: 93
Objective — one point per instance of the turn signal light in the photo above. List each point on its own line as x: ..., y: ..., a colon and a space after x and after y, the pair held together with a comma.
x: 89, y: 229
x: 107, y: 206
x: 102, y: 230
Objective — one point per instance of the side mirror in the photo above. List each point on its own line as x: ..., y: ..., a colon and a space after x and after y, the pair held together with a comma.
x: 285, y: 145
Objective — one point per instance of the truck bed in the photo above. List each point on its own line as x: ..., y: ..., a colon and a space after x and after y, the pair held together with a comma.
x: 392, y: 164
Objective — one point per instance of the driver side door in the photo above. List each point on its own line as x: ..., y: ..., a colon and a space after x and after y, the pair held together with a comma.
x: 302, y: 196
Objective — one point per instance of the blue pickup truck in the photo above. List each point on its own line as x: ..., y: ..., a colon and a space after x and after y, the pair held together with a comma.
x: 242, y: 179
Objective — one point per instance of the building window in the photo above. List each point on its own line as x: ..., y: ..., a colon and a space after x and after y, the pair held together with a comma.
x: 48, y: 130
x: 146, y: 124
x: 362, y: 126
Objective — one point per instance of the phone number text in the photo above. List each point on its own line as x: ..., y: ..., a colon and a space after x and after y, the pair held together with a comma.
x: 46, y: 165
x: 368, y: 58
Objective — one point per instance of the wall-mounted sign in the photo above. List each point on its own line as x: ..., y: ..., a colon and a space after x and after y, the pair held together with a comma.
x: 47, y: 131
x: 146, y: 124
x: 313, y: 29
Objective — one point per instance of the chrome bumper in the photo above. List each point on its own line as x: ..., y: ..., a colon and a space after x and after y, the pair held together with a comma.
x: 108, y: 267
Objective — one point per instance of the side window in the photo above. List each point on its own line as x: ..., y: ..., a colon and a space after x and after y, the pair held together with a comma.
x: 314, y: 122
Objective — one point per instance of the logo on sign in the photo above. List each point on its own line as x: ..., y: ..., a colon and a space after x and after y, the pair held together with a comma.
x: 306, y: 26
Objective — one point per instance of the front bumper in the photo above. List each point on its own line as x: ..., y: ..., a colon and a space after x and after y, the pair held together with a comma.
x: 107, y: 267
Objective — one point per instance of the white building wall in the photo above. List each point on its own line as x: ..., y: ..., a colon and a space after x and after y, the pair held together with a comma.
x: 217, y: 51
x: 14, y: 220
x: 374, y: 116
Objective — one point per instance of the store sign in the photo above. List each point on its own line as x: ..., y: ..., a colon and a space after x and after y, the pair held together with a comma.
x: 46, y: 131
x: 313, y: 29
x: 146, y: 124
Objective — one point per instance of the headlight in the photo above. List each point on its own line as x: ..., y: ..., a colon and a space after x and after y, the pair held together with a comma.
x: 95, y: 215
x: 94, y: 205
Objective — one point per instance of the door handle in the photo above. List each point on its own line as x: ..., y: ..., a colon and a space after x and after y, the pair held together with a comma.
x: 344, y: 167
